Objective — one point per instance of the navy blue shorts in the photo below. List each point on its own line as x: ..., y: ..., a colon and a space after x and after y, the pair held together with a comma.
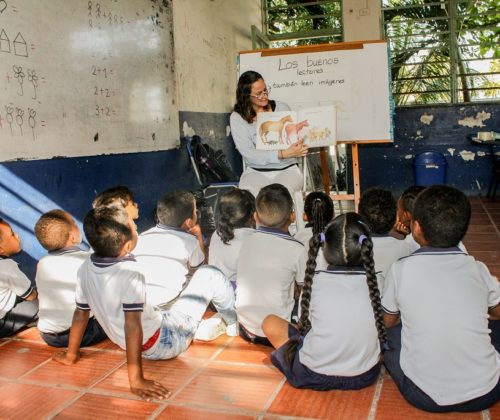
x: 300, y: 376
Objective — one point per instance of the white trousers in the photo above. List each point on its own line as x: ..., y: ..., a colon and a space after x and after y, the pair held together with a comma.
x: 292, y: 178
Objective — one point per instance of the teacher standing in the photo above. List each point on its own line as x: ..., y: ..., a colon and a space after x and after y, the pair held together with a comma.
x: 262, y: 167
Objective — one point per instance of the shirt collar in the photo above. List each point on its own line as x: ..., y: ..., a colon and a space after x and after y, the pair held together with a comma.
x: 274, y: 231
x: 103, y: 262
x: 345, y: 269
x: 434, y: 250
x: 66, y: 250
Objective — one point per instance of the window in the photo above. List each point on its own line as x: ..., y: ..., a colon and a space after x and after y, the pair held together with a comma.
x: 443, y: 51
x: 301, y: 22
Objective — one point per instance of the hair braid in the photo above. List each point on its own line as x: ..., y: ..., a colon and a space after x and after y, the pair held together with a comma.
x: 305, y: 300
x: 371, y: 280
x: 225, y: 229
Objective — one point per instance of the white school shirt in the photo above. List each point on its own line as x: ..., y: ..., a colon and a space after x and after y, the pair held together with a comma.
x: 225, y: 256
x: 270, y: 263
x: 110, y: 287
x: 56, y: 283
x: 13, y: 283
x: 304, y: 235
x: 443, y: 296
x: 164, y: 255
x: 413, y: 245
x: 343, y: 338
x: 387, y: 250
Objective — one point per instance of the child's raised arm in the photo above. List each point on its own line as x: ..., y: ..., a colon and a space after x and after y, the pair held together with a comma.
x: 78, y: 326
x: 145, y: 388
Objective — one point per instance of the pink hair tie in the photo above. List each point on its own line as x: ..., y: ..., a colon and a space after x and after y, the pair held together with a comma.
x: 322, y: 237
x: 361, y: 239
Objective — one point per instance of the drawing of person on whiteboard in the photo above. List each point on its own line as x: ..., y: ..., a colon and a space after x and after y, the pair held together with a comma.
x: 262, y: 167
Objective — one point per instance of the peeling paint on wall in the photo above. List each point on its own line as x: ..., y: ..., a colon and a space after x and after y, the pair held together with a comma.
x: 187, y: 130
x: 467, y: 155
x: 481, y: 153
x: 451, y: 151
x: 408, y: 156
x: 211, y: 134
x: 426, y: 119
x: 419, y: 134
x: 476, y: 121
x: 228, y: 130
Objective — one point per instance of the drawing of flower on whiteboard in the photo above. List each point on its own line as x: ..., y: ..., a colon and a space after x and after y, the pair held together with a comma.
x: 19, y: 75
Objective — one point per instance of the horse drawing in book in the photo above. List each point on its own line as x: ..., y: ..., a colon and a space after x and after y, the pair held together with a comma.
x: 294, y: 130
x: 274, y: 126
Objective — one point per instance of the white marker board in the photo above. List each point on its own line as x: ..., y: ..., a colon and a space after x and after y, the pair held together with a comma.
x: 86, y: 77
x: 353, y: 76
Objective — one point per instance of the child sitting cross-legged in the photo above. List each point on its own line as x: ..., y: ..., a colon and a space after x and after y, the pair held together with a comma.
x: 110, y: 285
x: 55, y: 279
x: 270, y: 264
x: 330, y: 349
x: 444, y: 354
x: 18, y: 297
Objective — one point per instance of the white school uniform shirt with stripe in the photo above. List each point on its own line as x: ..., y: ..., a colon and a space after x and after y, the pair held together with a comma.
x: 110, y: 287
x: 343, y: 338
x: 55, y: 280
x: 225, y: 256
x: 413, y: 245
x: 13, y: 283
x: 164, y: 255
x: 387, y: 250
x: 270, y: 263
x: 443, y: 296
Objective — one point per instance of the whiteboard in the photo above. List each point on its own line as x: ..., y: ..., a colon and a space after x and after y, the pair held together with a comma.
x: 355, y: 77
x: 86, y: 77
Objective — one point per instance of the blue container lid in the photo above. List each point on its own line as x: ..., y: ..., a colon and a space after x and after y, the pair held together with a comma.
x: 430, y: 157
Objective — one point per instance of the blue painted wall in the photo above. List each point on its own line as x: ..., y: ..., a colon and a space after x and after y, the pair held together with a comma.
x: 29, y: 188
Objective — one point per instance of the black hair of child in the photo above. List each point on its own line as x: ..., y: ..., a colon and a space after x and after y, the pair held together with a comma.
x: 341, y: 248
x: 107, y: 229
x: 53, y: 229
x: 175, y: 207
x: 112, y: 196
x: 409, y: 196
x: 236, y: 209
x: 274, y: 205
x: 443, y: 214
x: 378, y: 207
x: 318, y: 207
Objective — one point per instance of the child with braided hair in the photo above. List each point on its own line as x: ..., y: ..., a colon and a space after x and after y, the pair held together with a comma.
x: 318, y: 212
x: 235, y: 223
x: 330, y: 350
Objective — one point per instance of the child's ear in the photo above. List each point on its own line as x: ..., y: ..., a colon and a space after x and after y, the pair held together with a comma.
x: 304, y: 217
x: 293, y: 217
x: 187, y: 224
x: 256, y: 217
x: 417, y: 233
x: 127, y: 248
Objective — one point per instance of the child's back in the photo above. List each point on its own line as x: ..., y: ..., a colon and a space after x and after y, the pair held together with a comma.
x: 234, y: 225
x: 270, y: 262
x: 378, y: 208
x: 443, y: 297
x: 167, y: 252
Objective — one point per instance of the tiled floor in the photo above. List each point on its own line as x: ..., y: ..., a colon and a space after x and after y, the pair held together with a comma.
x: 227, y: 378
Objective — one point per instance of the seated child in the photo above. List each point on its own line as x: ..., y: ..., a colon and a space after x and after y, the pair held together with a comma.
x: 318, y: 212
x: 55, y: 279
x: 377, y: 207
x: 234, y: 224
x: 169, y: 252
x: 443, y: 358
x: 118, y: 196
x: 110, y: 286
x: 329, y: 350
x: 271, y: 262
x: 18, y: 304
x: 404, y: 216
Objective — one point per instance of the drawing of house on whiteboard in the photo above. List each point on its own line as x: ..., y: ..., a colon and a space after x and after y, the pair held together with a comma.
x: 20, y: 46
x: 4, y: 42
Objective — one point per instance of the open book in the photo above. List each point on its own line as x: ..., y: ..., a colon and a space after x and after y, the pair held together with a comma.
x: 278, y: 130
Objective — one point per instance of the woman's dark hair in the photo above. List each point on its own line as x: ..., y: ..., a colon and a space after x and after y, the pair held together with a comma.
x: 347, y: 243
x: 236, y: 210
x: 318, y: 208
x: 243, y: 105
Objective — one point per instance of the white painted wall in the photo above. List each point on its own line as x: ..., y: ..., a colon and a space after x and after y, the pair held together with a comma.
x: 361, y: 20
x: 208, y: 34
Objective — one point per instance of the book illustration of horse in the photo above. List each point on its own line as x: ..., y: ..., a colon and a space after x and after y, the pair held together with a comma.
x: 315, y: 134
x: 294, y: 129
x: 274, y: 126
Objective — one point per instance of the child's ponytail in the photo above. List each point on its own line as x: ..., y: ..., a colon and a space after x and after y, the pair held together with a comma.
x: 371, y: 279
x: 225, y: 229
x: 305, y: 300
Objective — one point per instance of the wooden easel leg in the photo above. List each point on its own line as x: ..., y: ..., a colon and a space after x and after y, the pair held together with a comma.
x: 355, y: 174
x: 324, y: 170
